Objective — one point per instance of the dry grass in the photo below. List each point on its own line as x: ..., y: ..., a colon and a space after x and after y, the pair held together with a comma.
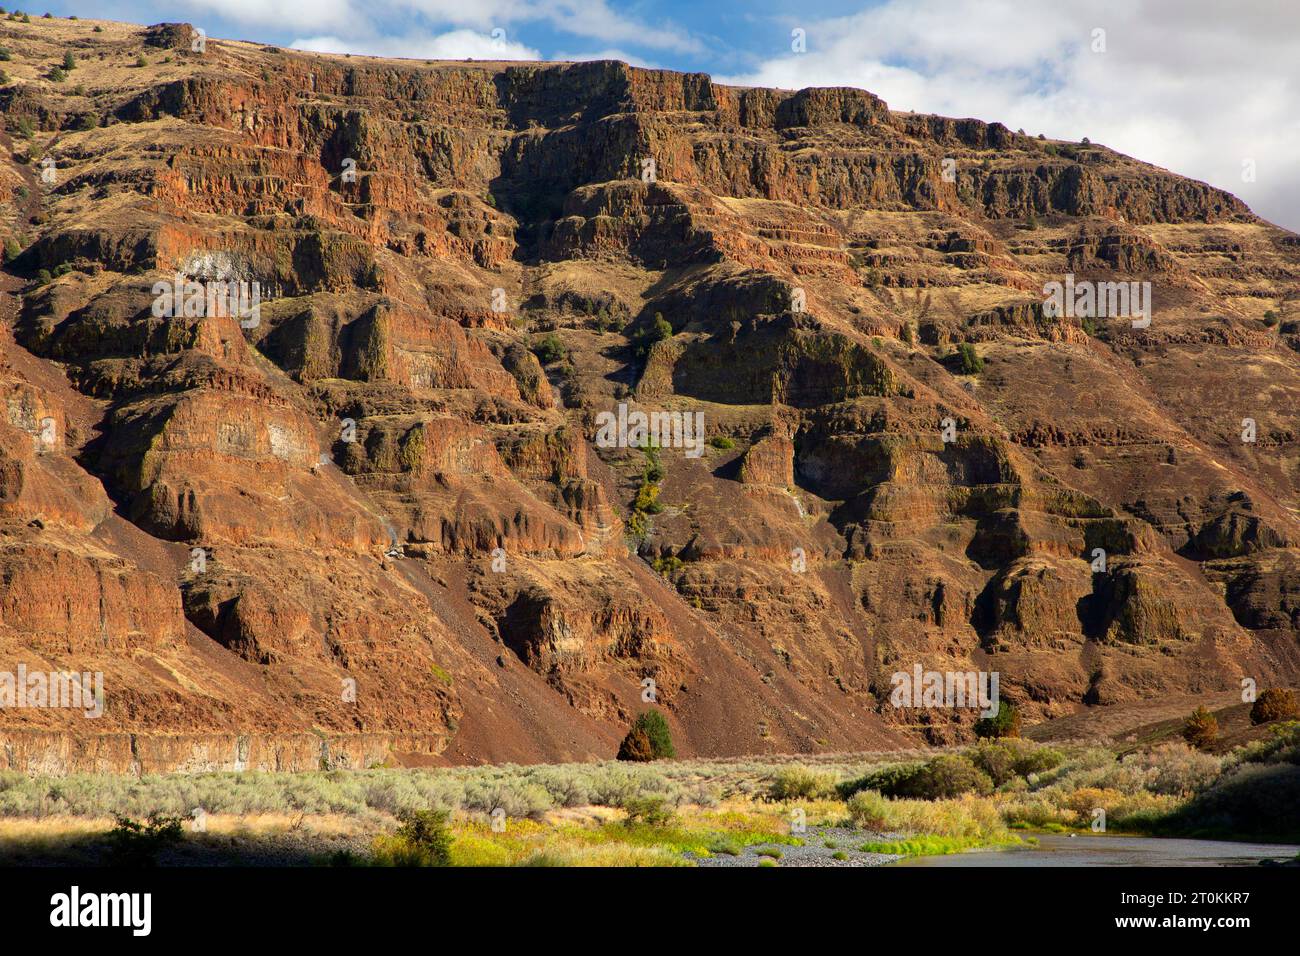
x: 575, y: 814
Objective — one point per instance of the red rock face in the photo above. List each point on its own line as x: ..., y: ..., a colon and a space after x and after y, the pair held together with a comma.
x: 373, y: 518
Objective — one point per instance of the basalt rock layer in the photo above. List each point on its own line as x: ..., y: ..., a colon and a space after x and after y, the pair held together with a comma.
x: 366, y: 517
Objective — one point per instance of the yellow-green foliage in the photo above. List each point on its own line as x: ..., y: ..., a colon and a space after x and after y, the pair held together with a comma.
x: 1086, y: 799
x: 372, y: 358
x: 974, y: 818
x: 422, y: 839
x: 1201, y: 729
x: 647, y: 497
x: 869, y: 810
x: 799, y: 782
x: 530, y: 843
x: 927, y: 845
x: 605, y: 856
x: 391, y: 451
x: 412, y: 450
x: 668, y: 566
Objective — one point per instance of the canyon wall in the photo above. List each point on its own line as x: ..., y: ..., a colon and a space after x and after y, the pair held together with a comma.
x: 369, y: 521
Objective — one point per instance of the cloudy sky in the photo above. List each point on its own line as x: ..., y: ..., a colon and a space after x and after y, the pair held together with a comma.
x: 1207, y: 88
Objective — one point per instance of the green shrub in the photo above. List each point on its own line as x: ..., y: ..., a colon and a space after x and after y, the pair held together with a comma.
x: 892, y: 780
x: 5, y: 54
x: 968, y: 360
x: 12, y: 249
x: 1201, y: 729
x: 652, y: 811
x: 1005, y: 724
x: 668, y: 566
x: 722, y: 442
x: 1010, y: 758
x: 656, y: 331
x: 422, y: 839
x: 1276, y: 703
x: 1175, y: 769
x: 947, y: 776
x: 998, y: 760
x: 869, y: 810
x: 1038, y: 760
x: 724, y: 846
x: 69, y: 61
x: 1281, y: 745
x: 549, y: 349
x: 1255, y: 800
x: 134, y: 844
x: 800, y: 783
x: 57, y: 75
x: 657, y: 729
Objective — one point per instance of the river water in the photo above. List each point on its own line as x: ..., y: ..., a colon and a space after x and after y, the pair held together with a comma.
x: 1061, y: 849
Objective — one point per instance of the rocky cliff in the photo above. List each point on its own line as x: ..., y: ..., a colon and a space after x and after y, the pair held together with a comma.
x: 364, y: 516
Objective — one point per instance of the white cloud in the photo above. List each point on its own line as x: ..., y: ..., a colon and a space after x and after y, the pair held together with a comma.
x: 1193, y: 86
x: 455, y: 45
x: 286, y: 14
x: 609, y: 54
x: 587, y: 19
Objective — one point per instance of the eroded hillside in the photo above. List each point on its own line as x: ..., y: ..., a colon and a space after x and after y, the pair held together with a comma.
x: 390, y: 475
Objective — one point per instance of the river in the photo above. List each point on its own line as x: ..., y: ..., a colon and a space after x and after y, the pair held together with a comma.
x: 1061, y: 849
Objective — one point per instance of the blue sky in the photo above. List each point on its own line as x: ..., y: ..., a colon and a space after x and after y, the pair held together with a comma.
x: 1206, y: 88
